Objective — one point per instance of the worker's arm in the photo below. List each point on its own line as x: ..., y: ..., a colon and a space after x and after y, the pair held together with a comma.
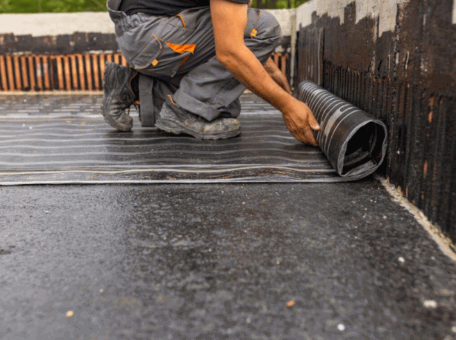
x: 277, y: 75
x: 229, y: 20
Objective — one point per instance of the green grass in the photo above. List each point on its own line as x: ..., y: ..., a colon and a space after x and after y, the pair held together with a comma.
x: 51, y: 6
x: 278, y: 4
x: 64, y: 6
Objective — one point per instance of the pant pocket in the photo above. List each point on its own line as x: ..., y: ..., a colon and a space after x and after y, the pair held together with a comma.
x: 172, y: 57
x: 148, y: 55
x: 169, y: 48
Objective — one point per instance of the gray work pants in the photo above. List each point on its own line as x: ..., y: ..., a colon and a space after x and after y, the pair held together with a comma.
x: 179, y: 53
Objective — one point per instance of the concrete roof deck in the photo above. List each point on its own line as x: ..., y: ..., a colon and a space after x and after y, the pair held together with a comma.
x: 212, y: 261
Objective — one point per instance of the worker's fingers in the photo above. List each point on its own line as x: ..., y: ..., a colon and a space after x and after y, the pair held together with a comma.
x: 313, y: 122
x: 305, y: 135
x: 310, y: 139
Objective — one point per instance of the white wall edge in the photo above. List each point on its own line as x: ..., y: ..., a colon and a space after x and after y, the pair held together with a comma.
x: 53, y: 24
x: 384, y: 10
x: 454, y: 11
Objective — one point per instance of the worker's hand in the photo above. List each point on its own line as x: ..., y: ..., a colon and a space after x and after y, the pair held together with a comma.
x: 300, y: 122
x: 250, y: 3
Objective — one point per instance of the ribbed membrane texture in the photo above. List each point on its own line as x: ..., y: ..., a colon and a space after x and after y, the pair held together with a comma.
x: 64, y: 140
x: 354, y: 142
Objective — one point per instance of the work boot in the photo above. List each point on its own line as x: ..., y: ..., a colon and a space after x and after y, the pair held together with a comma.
x: 118, y: 96
x: 174, y: 119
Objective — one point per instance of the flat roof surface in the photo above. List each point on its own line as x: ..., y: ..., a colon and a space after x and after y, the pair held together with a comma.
x: 218, y: 261
x: 64, y: 139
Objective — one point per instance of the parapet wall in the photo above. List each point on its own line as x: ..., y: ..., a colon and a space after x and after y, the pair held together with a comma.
x: 68, y: 51
x: 69, y: 33
x: 395, y: 59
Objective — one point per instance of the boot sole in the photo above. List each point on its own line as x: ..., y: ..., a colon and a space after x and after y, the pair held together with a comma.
x: 177, y: 129
x: 108, y: 119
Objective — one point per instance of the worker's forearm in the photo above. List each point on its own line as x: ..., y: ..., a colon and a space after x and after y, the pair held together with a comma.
x: 249, y: 71
x: 271, y: 67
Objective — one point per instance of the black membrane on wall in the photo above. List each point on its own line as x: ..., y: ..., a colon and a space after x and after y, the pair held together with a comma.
x: 354, y: 141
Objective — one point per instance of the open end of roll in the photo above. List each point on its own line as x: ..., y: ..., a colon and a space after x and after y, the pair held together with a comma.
x: 364, y: 148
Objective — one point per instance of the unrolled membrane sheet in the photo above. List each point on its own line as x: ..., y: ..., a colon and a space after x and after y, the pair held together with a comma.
x: 354, y: 142
x: 51, y: 139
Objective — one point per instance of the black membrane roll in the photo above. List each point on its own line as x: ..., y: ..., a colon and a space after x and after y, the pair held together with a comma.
x: 354, y: 141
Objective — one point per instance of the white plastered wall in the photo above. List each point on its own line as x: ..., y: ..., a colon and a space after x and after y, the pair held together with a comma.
x: 52, y: 24
x: 454, y: 11
x: 384, y: 10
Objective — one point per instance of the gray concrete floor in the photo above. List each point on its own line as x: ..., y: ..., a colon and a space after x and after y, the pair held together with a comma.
x: 219, y: 262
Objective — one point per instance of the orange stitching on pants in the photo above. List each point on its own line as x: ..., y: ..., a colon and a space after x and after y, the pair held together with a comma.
x: 182, y: 19
x: 171, y: 98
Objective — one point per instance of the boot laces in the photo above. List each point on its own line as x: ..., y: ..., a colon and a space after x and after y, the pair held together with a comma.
x: 129, y: 108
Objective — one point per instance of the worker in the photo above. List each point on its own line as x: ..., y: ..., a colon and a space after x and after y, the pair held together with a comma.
x: 201, y: 55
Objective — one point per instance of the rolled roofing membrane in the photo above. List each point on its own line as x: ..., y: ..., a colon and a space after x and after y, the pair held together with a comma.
x: 354, y: 142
